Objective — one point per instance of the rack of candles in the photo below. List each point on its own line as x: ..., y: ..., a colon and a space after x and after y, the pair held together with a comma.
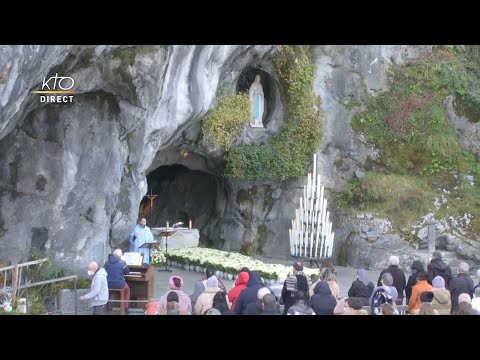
x: 311, y: 233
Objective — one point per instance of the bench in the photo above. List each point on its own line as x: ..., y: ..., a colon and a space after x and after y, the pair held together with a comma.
x: 122, y: 298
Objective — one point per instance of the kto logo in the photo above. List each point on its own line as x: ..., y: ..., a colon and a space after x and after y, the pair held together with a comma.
x: 57, y: 89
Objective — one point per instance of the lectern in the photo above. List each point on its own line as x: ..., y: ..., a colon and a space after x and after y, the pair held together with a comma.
x: 166, y: 233
x: 150, y: 246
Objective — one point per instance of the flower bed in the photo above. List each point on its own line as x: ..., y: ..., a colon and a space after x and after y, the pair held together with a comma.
x: 158, y: 257
x: 228, y: 264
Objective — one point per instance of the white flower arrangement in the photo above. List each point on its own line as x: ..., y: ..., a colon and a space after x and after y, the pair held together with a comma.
x: 22, y: 305
x: 231, y: 263
x: 6, y: 302
x: 158, y: 257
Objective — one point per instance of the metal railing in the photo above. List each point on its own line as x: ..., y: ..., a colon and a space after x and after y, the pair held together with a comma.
x: 66, y: 278
x: 15, y: 271
x: 28, y: 286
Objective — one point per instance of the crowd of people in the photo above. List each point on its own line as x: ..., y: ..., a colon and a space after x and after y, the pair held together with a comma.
x: 431, y: 291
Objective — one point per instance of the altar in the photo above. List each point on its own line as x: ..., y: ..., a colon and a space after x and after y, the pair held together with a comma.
x: 181, y: 238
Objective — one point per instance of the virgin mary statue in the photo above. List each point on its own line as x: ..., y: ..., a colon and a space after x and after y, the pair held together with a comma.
x: 257, y: 101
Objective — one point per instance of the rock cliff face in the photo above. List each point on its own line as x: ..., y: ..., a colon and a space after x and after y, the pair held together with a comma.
x: 72, y: 176
x: 344, y: 75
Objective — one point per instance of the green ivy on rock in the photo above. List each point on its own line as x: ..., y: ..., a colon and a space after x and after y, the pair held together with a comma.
x: 288, y: 154
x: 225, y: 123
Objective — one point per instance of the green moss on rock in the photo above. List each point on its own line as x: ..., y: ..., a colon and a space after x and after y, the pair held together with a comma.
x: 126, y: 55
x: 288, y: 154
x: 225, y: 123
x: 420, y: 150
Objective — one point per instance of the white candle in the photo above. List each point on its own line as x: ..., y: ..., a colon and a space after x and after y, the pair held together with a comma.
x: 317, y: 236
x: 311, y: 243
x: 332, y: 236
x: 310, y: 203
x: 291, y: 242
x: 318, y: 186
x: 309, y: 186
x: 311, y: 232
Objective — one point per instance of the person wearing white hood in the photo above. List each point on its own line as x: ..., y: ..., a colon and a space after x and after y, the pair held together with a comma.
x: 99, y: 288
x: 205, y: 300
x: 442, y: 301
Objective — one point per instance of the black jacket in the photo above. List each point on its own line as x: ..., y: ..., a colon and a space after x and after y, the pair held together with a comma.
x: 463, y: 283
x: 254, y: 308
x: 288, y: 297
x: 438, y: 268
x: 361, y: 291
x: 399, y: 279
x: 417, y: 266
x: 249, y: 295
x: 323, y: 302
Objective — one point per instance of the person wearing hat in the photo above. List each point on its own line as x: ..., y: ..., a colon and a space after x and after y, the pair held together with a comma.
x: 437, y: 267
x: 441, y: 297
x: 176, y: 283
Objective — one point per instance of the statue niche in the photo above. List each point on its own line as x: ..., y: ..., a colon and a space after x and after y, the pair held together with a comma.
x: 257, y: 101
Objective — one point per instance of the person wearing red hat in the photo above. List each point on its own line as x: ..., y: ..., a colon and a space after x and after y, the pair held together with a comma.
x: 176, y: 283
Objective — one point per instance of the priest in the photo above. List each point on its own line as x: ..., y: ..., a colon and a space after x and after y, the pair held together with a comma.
x: 141, y: 235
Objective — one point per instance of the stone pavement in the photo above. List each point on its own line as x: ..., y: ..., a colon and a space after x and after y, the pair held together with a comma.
x: 345, y: 277
x: 189, y: 279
